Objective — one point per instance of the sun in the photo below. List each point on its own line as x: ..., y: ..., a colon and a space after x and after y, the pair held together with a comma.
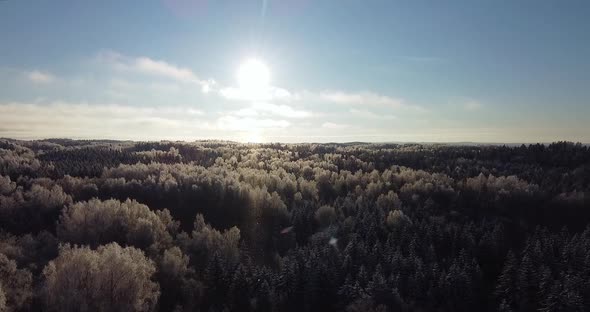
x: 253, y: 76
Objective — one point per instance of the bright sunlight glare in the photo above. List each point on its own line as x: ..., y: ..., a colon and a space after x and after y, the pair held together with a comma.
x: 253, y: 75
x: 253, y: 137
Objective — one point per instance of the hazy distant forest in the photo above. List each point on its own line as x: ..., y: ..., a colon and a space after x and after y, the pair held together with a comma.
x: 222, y: 226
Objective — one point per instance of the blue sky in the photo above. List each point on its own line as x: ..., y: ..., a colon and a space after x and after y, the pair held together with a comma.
x: 435, y: 71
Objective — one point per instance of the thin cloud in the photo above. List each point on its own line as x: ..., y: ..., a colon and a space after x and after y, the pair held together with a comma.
x: 161, y: 68
x: 149, y: 66
x: 333, y: 125
x: 259, y: 117
x: 366, y: 98
x: 246, y: 112
x: 371, y: 115
x: 250, y: 124
x: 40, y: 77
x: 281, y: 110
x: 130, y: 86
x: 83, y: 120
x: 267, y: 94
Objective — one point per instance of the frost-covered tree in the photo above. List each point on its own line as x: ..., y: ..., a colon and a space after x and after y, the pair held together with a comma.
x: 205, y: 241
x: 111, y: 278
x: 2, y: 299
x: 397, y: 218
x: 16, y: 285
x: 98, y: 222
x: 325, y: 215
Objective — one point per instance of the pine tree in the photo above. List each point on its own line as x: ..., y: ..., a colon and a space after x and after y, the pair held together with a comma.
x: 506, y: 286
x: 528, y: 284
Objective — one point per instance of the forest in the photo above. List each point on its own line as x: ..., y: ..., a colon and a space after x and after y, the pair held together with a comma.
x: 100, y: 225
